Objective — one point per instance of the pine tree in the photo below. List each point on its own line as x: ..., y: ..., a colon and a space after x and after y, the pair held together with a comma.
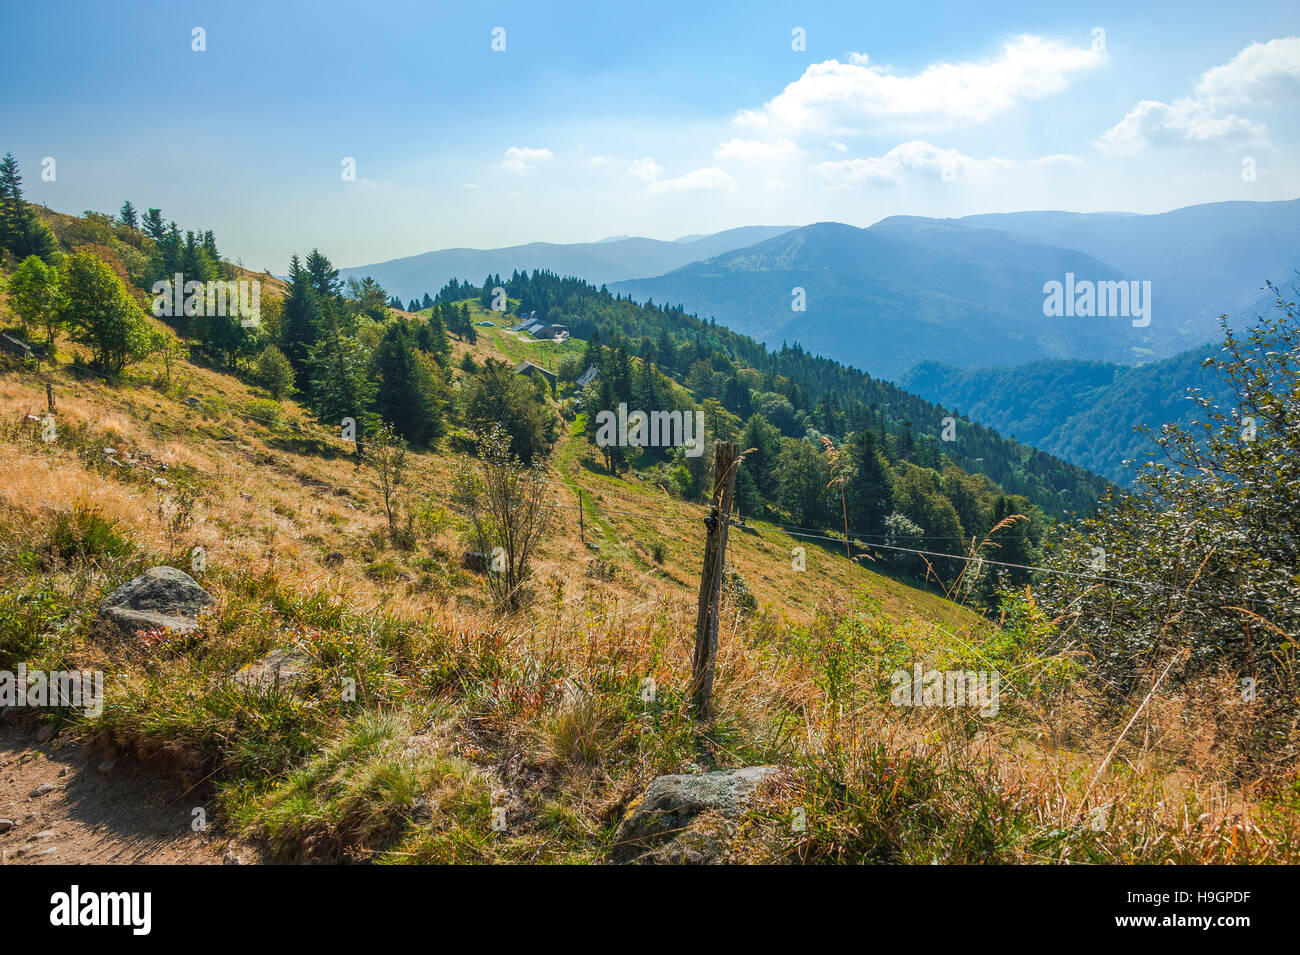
x: 324, y: 277
x: 432, y: 338
x: 340, y: 382
x: 128, y: 216
x: 407, y: 394
x: 22, y: 232
x: 870, y: 494
x: 605, y: 399
x: 210, y: 247
x: 765, y: 441
x: 153, y: 225
x: 298, y: 321
x: 11, y: 207
x: 471, y: 335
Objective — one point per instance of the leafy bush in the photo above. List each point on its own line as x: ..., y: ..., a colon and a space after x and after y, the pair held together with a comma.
x: 274, y: 373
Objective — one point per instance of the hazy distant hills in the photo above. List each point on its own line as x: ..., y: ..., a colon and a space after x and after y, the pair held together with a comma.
x: 608, y: 260
x: 886, y: 298
x: 953, y: 308
x: 1083, y: 411
x: 1202, y: 261
x: 969, y: 292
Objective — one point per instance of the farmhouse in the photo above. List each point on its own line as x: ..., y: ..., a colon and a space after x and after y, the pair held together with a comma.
x: 529, y: 369
x: 536, y: 328
x: 16, y: 347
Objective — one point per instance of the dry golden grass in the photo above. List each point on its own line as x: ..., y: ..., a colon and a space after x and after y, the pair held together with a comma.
x: 545, y: 708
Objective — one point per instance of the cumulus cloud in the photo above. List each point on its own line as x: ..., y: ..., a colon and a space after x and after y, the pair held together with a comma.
x: 1262, y: 73
x: 700, y: 180
x: 520, y: 159
x: 842, y: 98
x: 919, y: 157
x: 751, y: 150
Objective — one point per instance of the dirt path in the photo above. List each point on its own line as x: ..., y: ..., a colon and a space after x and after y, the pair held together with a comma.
x: 70, y: 804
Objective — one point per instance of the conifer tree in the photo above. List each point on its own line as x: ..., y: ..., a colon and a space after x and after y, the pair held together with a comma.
x: 408, y: 393
x: 152, y: 224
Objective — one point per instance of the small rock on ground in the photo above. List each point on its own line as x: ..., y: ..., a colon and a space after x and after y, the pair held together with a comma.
x: 687, y: 817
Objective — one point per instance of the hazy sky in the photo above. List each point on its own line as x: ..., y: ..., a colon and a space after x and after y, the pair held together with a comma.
x: 657, y: 119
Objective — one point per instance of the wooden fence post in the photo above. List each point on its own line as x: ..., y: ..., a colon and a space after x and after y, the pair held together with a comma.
x: 49, y: 396
x: 726, y: 459
x: 582, y: 526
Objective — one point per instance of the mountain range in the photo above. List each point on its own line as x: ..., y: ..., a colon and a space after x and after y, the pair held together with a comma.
x: 601, y: 262
x: 970, y: 292
x: 954, y: 308
x: 1087, y: 412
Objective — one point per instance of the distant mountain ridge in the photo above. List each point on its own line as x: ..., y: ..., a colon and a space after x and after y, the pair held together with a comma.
x: 885, y: 303
x: 969, y: 292
x: 1084, y: 412
x: 600, y: 263
x: 1203, y: 260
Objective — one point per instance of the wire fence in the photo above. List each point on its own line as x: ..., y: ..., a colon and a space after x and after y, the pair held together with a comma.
x: 590, y: 495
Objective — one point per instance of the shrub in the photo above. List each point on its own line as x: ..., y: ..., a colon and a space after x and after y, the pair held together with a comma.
x: 85, y: 534
x: 274, y: 373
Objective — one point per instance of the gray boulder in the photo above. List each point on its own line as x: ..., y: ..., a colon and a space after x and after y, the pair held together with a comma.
x: 160, y: 597
x: 688, y: 818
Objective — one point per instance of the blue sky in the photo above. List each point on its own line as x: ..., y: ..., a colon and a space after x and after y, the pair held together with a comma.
x: 657, y: 119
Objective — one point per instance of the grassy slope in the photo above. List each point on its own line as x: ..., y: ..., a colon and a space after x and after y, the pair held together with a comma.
x: 459, y: 711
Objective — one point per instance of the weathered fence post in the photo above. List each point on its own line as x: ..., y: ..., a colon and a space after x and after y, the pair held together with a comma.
x: 726, y: 458
x: 49, y: 396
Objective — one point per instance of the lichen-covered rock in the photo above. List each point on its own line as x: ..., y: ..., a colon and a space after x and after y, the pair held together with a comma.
x: 278, y: 669
x: 688, y: 818
x: 160, y: 597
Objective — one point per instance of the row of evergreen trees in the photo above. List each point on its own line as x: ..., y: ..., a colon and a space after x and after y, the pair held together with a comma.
x: 878, y: 486
x: 22, y: 233
x: 800, y: 393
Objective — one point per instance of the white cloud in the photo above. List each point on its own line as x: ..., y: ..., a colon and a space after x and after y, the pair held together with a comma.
x: 1187, y: 120
x: 470, y: 185
x: 838, y: 146
x: 598, y: 161
x: 855, y: 96
x: 698, y: 181
x: 520, y: 159
x: 1261, y: 73
x: 751, y: 150
x: 924, y: 158
x: 647, y: 170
